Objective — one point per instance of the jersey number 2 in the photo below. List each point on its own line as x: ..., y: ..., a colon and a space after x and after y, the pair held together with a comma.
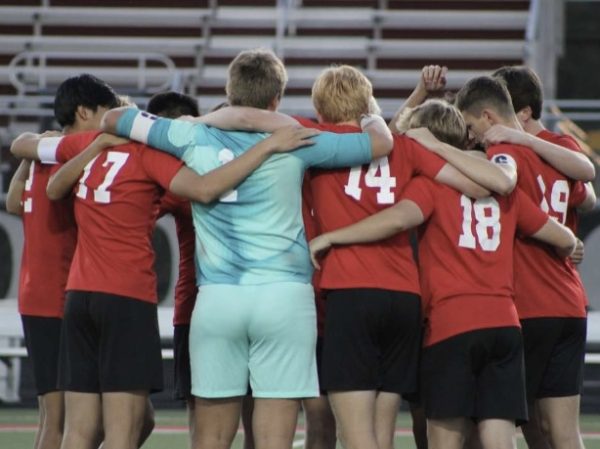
x: 116, y: 160
x: 486, y: 212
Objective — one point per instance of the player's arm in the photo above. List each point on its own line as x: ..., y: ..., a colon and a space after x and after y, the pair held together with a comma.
x: 382, y: 141
x: 433, y: 79
x: 16, y: 188
x: 382, y: 225
x: 61, y: 183
x: 590, y: 199
x: 26, y: 145
x: 558, y: 236
x: 572, y: 164
x: 210, y: 186
x: 452, y: 177
x: 494, y: 177
x: 246, y: 119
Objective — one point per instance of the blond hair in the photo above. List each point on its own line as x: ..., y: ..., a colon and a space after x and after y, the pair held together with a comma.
x: 125, y: 100
x: 441, y: 118
x: 341, y: 94
x: 256, y: 78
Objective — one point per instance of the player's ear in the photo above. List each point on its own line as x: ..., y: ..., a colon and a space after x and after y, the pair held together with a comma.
x: 489, y: 116
x: 82, y: 113
x: 524, y: 115
x: 274, y: 104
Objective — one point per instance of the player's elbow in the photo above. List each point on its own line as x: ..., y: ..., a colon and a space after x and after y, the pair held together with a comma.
x: 588, y: 171
x: 53, y: 193
x: 505, y: 184
x: 382, y: 143
x: 567, y: 244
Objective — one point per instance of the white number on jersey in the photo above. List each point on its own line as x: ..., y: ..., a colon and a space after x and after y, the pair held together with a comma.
x: 384, y: 181
x: 28, y: 203
x: 559, y: 199
x: 226, y: 155
x: 116, y: 160
x: 487, y: 223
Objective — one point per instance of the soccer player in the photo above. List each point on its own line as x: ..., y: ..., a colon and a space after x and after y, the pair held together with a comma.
x: 549, y: 295
x: 50, y: 236
x: 472, y: 362
x: 110, y: 344
x: 254, y: 260
x: 174, y: 105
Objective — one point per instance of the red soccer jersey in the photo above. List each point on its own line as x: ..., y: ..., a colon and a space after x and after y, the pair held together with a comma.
x: 578, y: 192
x: 116, y: 205
x: 186, y: 289
x: 344, y: 196
x: 545, y: 285
x: 50, y: 235
x: 466, y: 257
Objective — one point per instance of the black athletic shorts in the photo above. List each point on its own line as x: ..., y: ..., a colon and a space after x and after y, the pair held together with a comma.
x: 554, y: 356
x: 181, y: 354
x: 372, y: 341
x: 477, y: 374
x: 109, y: 343
x: 42, y: 338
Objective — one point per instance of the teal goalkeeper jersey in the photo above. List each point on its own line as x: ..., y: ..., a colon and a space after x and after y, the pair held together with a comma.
x: 255, y: 233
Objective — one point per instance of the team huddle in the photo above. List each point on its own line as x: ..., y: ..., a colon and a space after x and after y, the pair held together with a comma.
x: 477, y: 319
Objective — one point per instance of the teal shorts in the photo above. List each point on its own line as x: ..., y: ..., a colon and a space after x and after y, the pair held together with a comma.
x: 258, y: 335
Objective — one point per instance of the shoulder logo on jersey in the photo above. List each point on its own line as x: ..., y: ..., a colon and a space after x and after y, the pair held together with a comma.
x: 504, y: 159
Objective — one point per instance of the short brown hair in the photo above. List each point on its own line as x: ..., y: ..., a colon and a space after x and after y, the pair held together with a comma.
x: 341, y: 94
x: 484, y: 92
x: 256, y: 78
x: 524, y: 86
x: 441, y: 118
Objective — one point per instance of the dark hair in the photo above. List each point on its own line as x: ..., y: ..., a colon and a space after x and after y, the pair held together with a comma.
x: 484, y: 92
x: 82, y: 90
x: 172, y: 105
x: 525, y: 88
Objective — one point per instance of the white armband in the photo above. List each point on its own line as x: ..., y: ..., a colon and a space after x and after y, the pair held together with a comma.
x: 140, y: 129
x: 366, y: 120
x: 46, y: 149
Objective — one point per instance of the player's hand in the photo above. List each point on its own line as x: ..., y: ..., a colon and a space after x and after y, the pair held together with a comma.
x: 51, y: 133
x: 424, y: 137
x: 291, y: 138
x: 317, y: 247
x: 578, y: 254
x: 503, y: 134
x: 432, y: 80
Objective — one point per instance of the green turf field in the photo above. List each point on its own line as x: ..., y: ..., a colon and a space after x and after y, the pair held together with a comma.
x: 17, y: 429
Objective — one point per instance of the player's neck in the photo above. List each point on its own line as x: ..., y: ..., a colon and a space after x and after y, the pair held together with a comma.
x: 349, y: 123
x: 533, y: 127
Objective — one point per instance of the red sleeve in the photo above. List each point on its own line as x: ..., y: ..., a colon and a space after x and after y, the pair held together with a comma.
x: 425, y: 162
x: 530, y: 218
x: 73, y: 144
x: 567, y: 142
x: 160, y: 167
x: 578, y: 194
x: 504, y: 155
x: 420, y: 191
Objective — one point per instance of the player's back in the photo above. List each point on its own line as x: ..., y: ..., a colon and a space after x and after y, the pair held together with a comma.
x: 466, y: 255
x: 345, y: 196
x: 545, y: 285
x: 116, y: 205
x: 49, y: 242
x: 253, y: 234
